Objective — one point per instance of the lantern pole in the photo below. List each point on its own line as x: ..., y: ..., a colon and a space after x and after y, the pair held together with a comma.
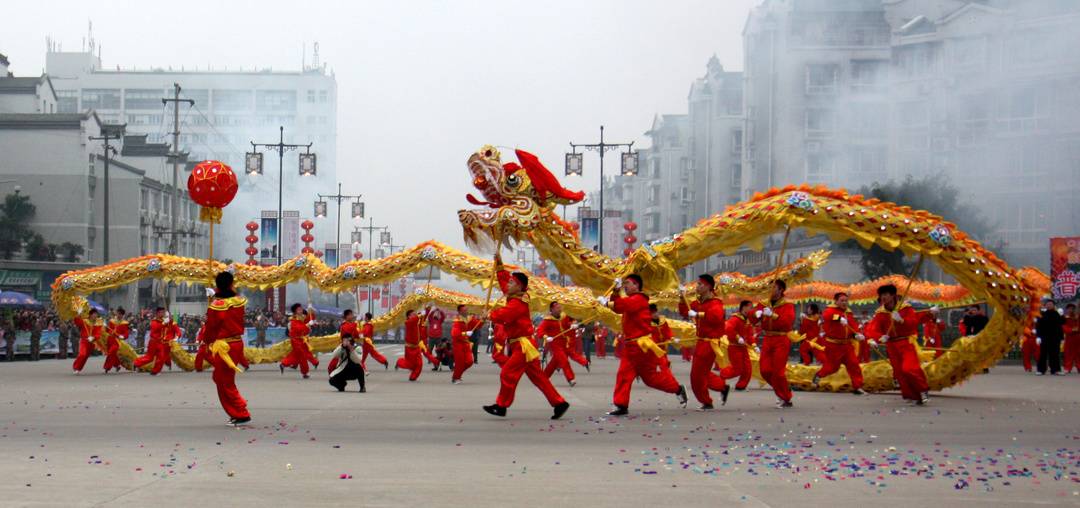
x: 281, y: 147
x: 337, y: 247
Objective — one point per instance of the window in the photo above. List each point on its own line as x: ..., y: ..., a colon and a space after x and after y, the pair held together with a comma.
x: 324, y: 96
x: 144, y: 202
x: 1031, y: 48
x: 232, y: 100
x: 143, y: 98
x: 654, y: 195
x: 916, y: 60
x: 821, y: 78
x: 655, y: 163
x: 914, y: 114
x: 275, y: 100
x: 975, y: 111
x: 869, y: 119
x: 311, y: 96
x: 736, y: 142
x: 685, y: 165
x: 144, y: 119
x: 819, y: 168
x: 67, y: 101
x: 101, y: 98
x: 868, y: 75
x: 868, y: 160
x: 820, y: 122
x: 736, y: 174
x: 968, y: 53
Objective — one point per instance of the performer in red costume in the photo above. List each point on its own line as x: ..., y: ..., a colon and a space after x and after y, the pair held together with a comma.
x: 555, y: 331
x: 740, y: 335
x: 840, y: 339
x: 224, y: 336
x: 575, y: 351
x: 514, y: 316
x: 776, y: 317
x: 498, y: 344
x: 158, y: 349
x: 863, y: 346
x: 461, y: 337
x: 368, y: 332
x: 203, y: 353
x: 932, y: 327
x: 1029, y: 349
x: 600, y: 335
x: 1071, y: 358
x: 115, y: 331
x: 414, y: 346
x: 300, y: 324
x: 661, y: 334
x: 640, y: 355
x: 430, y: 333
x: 708, y: 315
x: 810, y: 326
x: 90, y: 329
x: 897, y: 325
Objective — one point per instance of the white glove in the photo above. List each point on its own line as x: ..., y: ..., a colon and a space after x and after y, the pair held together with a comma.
x: 741, y: 341
x: 843, y: 321
x: 682, y: 290
x: 618, y: 283
x: 602, y: 300
x: 311, y: 323
x: 548, y: 339
x: 897, y: 317
x: 468, y: 333
x: 757, y: 350
x: 934, y: 309
x: 803, y: 315
x: 1038, y: 341
x: 675, y: 340
x: 168, y: 318
x: 860, y: 336
x: 575, y: 326
x: 873, y: 343
x: 884, y: 338
x: 692, y: 314
x: 821, y: 333
x: 767, y: 311
x: 210, y: 292
x: 757, y: 314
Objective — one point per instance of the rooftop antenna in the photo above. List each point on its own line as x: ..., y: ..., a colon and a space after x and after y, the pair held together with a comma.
x: 315, y: 56
x: 90, y: 36
x: 303, y: 57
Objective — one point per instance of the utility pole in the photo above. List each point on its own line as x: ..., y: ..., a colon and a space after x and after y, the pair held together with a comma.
x: 281, y: 147
x: 107, y: 134
x: 371, y: 228
x: 337, y: 246
x: 602, y: 147
x: 175, y: 155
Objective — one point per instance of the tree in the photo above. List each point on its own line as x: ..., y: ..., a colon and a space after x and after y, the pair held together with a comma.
x: 70, y: 252
x: 38, y: 250
x: 15, y: 215
x: 935, y: 194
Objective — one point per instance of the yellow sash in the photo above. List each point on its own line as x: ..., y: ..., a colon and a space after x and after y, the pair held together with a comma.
x: 368, y: 341
x: 527, y: 347
x: 220, y: 348
x: 646, y: 344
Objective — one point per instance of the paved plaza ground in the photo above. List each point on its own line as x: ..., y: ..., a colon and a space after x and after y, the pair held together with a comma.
x: 1003, y: 439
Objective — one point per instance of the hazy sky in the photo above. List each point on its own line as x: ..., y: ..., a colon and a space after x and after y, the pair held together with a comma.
x: 421, y: 85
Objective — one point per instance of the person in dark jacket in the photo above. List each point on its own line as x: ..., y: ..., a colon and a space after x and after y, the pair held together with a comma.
x: 1049, y: 332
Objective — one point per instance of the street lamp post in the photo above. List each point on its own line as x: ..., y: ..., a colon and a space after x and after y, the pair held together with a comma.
x: 629, y: 168
x: 107, y: 134
x: 253, y: 165
x: 356, y: 210
x: 370, y: 228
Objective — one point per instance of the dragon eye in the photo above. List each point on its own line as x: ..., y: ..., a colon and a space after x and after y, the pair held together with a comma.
x: 513, y: 180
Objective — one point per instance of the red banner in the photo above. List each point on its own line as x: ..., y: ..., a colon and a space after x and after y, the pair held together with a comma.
x: 1065, y: 267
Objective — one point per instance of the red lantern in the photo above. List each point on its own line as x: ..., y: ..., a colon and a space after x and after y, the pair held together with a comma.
x: 251, y: 251
x: 319, y: 254
x: 627, y: 252
x: 358, y: 255
x: 307, y: 250
x: 252, y: 226
x: 252, y: 262
x: 307, y: 225
x: 630, y: 226
x: 213, y: 186
x: 251, y: 239
x: 307, y: 238
x: 630, y: 239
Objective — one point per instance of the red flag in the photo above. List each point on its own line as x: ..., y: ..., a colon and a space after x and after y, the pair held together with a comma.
x: 375, y: 294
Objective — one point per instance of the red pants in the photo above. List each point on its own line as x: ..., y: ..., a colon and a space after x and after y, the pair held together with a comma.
x: 463, y: 358
x: 225, y: 378
x: 601, y: 349
x: 200, y: 357
x: 635, y: 363
x: 687, y: 353
x: 739, y: 358
x: 157, y: 353
x: 841, y: 354
x: 702, y: 378
x: 907, y: 369
x: 1029, y: 350
x: 559, y: 360
x: 498, y: 353
x: 864, y: 352
x: 807, y: 352
x: 511, y: 373
x: 1071, y: 357
x: 773, y: 364
x: 112, y: 359
x: 299, y: 356
x: 85, y: 347
x: 411, y: 362
x: 374, y: 353
x: 578, y: 357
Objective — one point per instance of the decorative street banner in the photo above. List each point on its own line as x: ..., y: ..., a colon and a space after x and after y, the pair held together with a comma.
x: 268, y: 239
x: 590, y: 232
x: 290, y: 234
x: 1065, y: 267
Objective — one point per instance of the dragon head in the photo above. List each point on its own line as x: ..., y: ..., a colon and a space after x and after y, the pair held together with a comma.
x: 516, y: 196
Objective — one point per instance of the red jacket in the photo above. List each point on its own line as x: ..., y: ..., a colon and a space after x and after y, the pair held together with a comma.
x: 224, y: 319
x: 298, y: 327
x: 514, y: 316
x: 882, y: 324
x: 1072, y: 328
x: 636, y: 317
x: 836, y: 330
x: 661, y: 332
x: 551, y: 326
x: 711, y: 324
x: 460, y: 326
x: 157, y: 329
x: 118, y: 329
x: 810, y: 326
x: 413, y: 330
x: 434, y: 320
x: 368, y: 331
x: 88, y: 330
x: 738, y: 326
x: 349, y: 329
x: 782, y: 320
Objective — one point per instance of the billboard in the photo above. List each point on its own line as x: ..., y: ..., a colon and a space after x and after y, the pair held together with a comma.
x: 268, y: 236
x: 590, y: 232
x: 290, y: 234
x: 1065, y: 268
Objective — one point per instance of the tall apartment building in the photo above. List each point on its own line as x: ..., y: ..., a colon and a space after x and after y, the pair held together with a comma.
x: 232, y: 109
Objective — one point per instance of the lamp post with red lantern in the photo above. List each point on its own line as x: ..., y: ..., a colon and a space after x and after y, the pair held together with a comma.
x: 251, y: 240
x: 629, y: 238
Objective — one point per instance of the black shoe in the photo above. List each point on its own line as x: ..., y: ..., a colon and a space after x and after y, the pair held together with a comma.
x: 386, y: 366
x: 341, y: 389
x: 587, y: 364
x: 560, y: 410
x: 619, y: 411
x: 495, y: 410
x: 785, y: 404
x: 724, y: 394
x: 306, y: 376
x: 363, y: 390
x: 857, y: 392
x: 816, y: 381
x: 743, y: 389
x: 435, y: 368
x: 239, y: 421
x: 681, y: 395
x: 705, y: 407
x: 282, y: 369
